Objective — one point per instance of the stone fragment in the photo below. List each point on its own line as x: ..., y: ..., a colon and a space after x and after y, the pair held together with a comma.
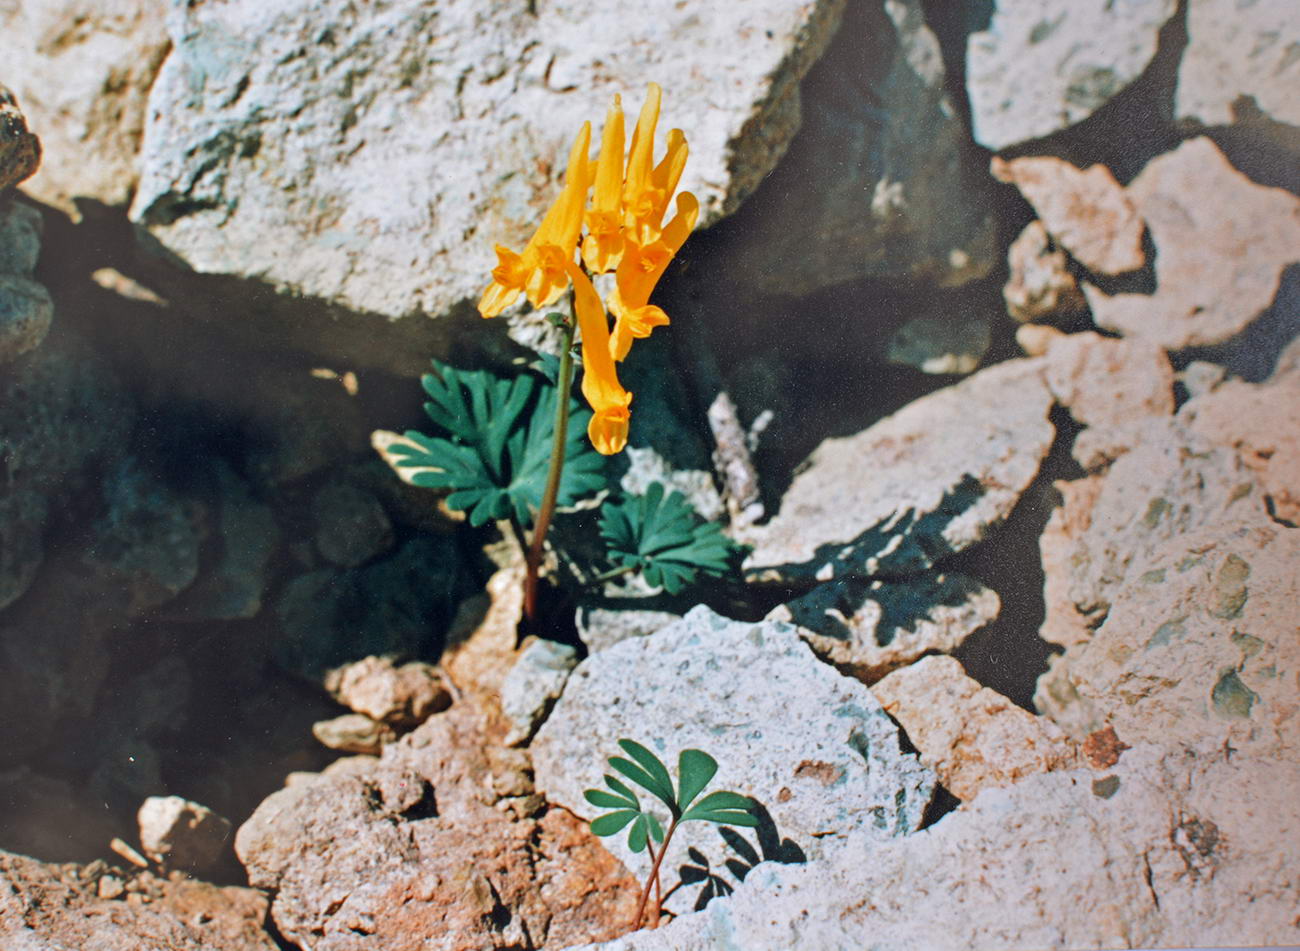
x: 972, y: 737
x: 930, y: 480
x: 868, y: 629
x: 351, y: 526
x: 302, y: 159
x: 83, y: 70
x: 1221, y: 245
x: 1084, y: 210
x: 20, y: 150
x: 601, y: 627
x: 1044, y: 66
x: 941, y: 344
x: 881, y: 181
x: 26, y: 307
x: 1040, y: 285
x: 58, y: 908
x: 1260, y: 422
x: 1235, y: 52
x: 353, y: 733
x: 1063, y: 622
x: 1165, y: 851
x: 534, y: 683
x: 182, y: 834
x: 822, y: 760
x: 402, y: 696
x: 1110, y: 386
x: 412, y: 851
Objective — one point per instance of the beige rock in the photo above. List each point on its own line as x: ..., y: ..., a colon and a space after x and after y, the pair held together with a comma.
x: 932, y: 479
x: 1085, y: 211
x: 1260, y: 421
x: 419, y: 851
x: 20, y: 150
x: 1200, y: 647
x: 353, y: 733
x: 971, y: 736
x: 1174, y: 848
x: 1063, y: 622
x: 1034, y: 339
x: 182, y: 834
x: 1221, y: 244
x: 402, y: 696
x: 1040, y: 285
x: 83, y: 70
x: 868, y: 629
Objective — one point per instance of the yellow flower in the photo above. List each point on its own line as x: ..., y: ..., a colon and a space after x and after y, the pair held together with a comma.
x: 541, y: 272
x: 602, y: 249
x: 639, y: 272
x: 608, y: 400
x: 647, y: 187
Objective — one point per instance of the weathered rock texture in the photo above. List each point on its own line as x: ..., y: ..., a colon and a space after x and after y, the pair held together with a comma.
x: 870, y: 628
x: 1084, y: 210
x: 404, y: 695
x: 972, y: 737
x: 94, y: 908
x: 928, y: 481
x: 1221, y: 244
x: 881, y: 181
x: 1235, y: 51
x: 436, y: 845
x: 1040, y: 285
x: 372, y: 157
x: 827, y: 765
x: 1041, y: 67
x: 20, y: 150
x: 1171, y: 849
x: 83, y: 70
x: 26, y: 308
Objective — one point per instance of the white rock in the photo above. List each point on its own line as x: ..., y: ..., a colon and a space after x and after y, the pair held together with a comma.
x: 870, y: 628
x: 532, y: 686
x: 1172, y: 849
x: 1221, y: 245
x: 810, y: 745
x: 372, y: 156
x: 600, y: 627
x: 930, y: 480
x: 181, y: 833
x: 1237, y: 50
x: 1043, y: 66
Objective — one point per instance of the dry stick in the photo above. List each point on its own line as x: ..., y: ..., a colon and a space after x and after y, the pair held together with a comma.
x: 552, y: 491
x: 654, y: 878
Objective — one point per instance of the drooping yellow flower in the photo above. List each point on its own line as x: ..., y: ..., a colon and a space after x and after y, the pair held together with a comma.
x: 602, y: 249
x: 541, y: 271
x: 639, y: 272
x: 608, y: 400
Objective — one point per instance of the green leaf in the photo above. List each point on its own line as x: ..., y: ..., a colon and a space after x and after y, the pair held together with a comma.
x: 656, y: 830
x: 636, y: 836
x: 723, y: 807
x: 598, y: 797
x: 662, y: 536
x: 612, y: 822
x: 660, y: 783
x: 493, y: 448
x: 695, y: 770
x: 621, y: 788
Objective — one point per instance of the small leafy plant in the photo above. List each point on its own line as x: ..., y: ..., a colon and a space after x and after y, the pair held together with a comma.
x: 695, y: 770
x: 660, y: 535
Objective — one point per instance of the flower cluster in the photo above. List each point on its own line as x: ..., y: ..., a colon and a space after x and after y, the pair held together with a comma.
x: 625, y: 234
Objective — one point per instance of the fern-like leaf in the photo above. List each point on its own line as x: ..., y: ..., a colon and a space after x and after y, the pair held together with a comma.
x: 660, y: 535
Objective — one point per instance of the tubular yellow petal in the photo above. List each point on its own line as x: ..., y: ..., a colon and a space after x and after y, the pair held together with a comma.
x: 643, y: 142
x: 496, y: 299
x: 669, y: 170
x: 573, y: 199
x: 608, y: 400
x: 608, y: 430
x: 603, y: 246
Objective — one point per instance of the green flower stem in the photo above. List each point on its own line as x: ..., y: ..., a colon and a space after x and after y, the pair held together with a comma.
x: 552, y: 491
x: 654, y: 879
x: 614, y: 573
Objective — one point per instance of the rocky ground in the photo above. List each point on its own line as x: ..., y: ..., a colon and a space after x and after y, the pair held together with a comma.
x: 986, y: 348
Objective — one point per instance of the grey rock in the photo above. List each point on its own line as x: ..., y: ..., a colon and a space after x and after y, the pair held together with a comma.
x: 601, y: 626
x: 1222, y: 243
x: 1238, y: 51
x: 880, y: 182
x: 532, y: 686
x: 351, y: 526
x: 1164, y: 851
x: 930, y: 480
x: 868, y: 628
x: 20, y: 150
x: 26, y: 308
x: 83, y: 70
x: 814, y: 748
x: 182, y: 834
x: 941, y: 343
x: 1041, y: 67
x: 300, y: 156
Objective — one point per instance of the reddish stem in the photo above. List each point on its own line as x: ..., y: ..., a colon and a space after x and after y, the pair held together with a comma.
x: 654, y: 879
